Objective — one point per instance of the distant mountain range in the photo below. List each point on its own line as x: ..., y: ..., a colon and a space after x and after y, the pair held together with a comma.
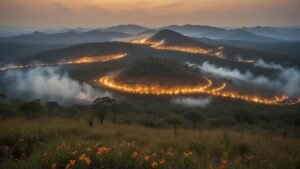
x: 83, y: 35
x: 69, y: 37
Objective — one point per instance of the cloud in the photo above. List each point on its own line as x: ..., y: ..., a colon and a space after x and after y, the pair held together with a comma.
x: 287, y: 80
x: 60, y: 7
x: 192, y: 102
x: 50, y: 84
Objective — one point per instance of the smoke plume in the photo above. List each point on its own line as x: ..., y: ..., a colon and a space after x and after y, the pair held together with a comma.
x: 272, y: 65
x: 50, y: 84
x: 192, y: 102
x: 287, y: 79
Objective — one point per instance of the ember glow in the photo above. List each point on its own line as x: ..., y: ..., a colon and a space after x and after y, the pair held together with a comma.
x: 82, y: 60
x: 143, y: 89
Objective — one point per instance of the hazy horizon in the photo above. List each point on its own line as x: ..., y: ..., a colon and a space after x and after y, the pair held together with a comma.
x: 104, y: 13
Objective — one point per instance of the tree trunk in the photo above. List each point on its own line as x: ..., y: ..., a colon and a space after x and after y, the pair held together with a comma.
x: 194, y: 126
x: 175, y: 131
x: 102, y: 119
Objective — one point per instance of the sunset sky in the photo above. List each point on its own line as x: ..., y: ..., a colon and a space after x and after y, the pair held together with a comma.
x: 91, y: 13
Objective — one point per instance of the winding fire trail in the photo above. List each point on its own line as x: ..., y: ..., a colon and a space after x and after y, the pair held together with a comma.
x: 81, y: 60
x: 142, y: 89
x: 218, y: 53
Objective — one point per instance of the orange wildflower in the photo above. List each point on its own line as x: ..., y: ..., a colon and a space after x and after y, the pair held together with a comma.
x: 146, y: 158
x: 87, y: 160
x: 72, y: 162
x: 135, y: 154
x: 154, y: 164
x: 103, y: 150
x: 162, y: 161
x: 6, y: 148
x: 187, y: 154
x: 67, y: 166
x: 250, y: 158
x: 53, y: 165
x: 224, y: 161
x: 82, y: 157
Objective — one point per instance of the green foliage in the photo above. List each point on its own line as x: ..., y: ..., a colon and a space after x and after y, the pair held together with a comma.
x: 31, y: 109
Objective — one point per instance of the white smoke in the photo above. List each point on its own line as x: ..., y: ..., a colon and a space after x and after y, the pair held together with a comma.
x: 272, y: 65
x: 192, y: 102
x: 49, y: 84
x: 286, y: 81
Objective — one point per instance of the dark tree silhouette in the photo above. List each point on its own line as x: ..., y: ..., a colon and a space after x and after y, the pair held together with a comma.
x: 175, y: 122
x: 31, y: 109
x: 194, y: 118
x: 102, y: 106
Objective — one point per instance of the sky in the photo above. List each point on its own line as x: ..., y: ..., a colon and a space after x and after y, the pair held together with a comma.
x: 95, y: 13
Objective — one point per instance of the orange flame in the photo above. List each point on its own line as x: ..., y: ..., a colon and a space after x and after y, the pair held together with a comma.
x: 82, y: 60
x: 108, y: 81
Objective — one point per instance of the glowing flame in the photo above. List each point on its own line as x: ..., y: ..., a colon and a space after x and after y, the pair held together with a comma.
x: 108, y: 81
x: 196, y: 50
x: 82, y: 60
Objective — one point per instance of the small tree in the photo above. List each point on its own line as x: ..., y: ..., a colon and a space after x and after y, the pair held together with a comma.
x: 31, y: 109
x: 175, y: 122
x: 102, y: 107
x: 52, y: 106
x: 194, y: 118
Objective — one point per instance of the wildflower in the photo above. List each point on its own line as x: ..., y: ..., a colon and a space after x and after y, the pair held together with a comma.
x: 103, y: 150
x: 87, y: 160
x: 67, y: 166
x: 6, y: 148
x: 250, y: 158
x: 169, y: 153
x: 146, y: 158
x: 88, y: 149
x: 53, y: 165
x: 74, y: 152
x: 82, y: 157
x: 154, y: 164
x: 72, y: 162
x: 224, y: 162
x: 134, y: 154
x: 162, y: 161
x: 187, y: 154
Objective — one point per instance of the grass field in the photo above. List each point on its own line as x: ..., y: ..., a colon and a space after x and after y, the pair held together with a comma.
x: 56, y: 142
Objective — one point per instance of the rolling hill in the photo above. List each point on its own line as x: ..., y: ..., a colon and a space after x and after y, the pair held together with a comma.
x: 70, y: 37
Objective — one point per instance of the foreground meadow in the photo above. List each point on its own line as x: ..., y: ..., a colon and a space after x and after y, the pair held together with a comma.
x: 72, y: 144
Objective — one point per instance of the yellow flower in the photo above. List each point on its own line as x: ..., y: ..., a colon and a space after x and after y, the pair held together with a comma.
x: 162, y: 161
x: 146, y: 158
x: 72, y: 162
x: 154, y: 164
x: 87, y: 160
x: 53, y: 165
x: 135, y: 154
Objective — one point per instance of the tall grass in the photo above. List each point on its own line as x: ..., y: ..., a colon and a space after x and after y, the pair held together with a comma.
x: 69, y: 143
